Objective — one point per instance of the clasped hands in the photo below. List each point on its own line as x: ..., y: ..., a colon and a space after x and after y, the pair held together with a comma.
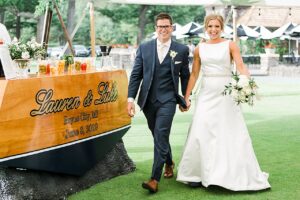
x: 188, y: 104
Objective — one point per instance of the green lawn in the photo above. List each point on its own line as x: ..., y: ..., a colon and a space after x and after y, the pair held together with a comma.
x: 274, y: 126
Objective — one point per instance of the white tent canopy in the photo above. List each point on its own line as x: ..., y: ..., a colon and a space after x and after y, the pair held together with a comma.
x: 227, y: 33
x: 264, y: 32
x: 243, y: 30
x: 189, y: 28
x: 284, y: 30
x: 177, y: 29
x: 295, y: 31
x: 177, y: 32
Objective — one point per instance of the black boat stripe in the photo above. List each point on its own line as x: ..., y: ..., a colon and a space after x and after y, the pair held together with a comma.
x: 61, y: 145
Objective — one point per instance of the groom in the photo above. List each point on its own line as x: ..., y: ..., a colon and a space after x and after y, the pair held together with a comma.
x: 158, y: 65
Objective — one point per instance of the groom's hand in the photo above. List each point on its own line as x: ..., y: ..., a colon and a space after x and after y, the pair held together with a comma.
x: 188, y: 104
x: 131, y: 109
x: 184, y: 109
x: 181, y: 108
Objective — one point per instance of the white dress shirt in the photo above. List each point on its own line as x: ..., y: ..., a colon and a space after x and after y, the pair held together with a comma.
x: 162, y: 49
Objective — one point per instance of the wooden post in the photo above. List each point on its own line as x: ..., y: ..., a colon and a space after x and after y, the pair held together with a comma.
x: 234, y: 23
x: 64, y: 28
x: 92, y: 34
x: 46, y: 28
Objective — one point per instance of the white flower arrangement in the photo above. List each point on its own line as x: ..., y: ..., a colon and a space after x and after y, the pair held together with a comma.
x: 242, y: 89
x: 173, y: 54
x: 28, y: 50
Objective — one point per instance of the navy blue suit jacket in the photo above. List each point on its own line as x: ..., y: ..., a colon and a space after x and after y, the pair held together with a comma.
x: 144, y: 67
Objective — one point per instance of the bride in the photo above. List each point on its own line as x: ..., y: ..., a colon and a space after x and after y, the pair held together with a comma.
x: 218, y: 150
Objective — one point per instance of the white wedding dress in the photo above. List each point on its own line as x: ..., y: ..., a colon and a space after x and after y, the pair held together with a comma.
x: 218, y: 150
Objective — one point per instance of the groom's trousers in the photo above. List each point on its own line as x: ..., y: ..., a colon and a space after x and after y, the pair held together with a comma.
x: 159, y: 117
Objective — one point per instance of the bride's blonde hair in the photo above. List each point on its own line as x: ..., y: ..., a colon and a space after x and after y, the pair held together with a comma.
x: 213, y: 17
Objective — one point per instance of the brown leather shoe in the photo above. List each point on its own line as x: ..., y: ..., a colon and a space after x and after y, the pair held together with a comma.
x: 169, y: 173
x: 151, y: 185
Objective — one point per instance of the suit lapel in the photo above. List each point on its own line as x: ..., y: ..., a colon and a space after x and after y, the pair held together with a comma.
x: 172, y: 48
x: 154, y: 52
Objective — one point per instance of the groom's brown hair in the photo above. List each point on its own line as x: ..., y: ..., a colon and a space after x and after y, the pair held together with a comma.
x: 163, y: 16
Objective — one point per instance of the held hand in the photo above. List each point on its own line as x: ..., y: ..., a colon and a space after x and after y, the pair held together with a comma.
x: 188, y: 103
x: 187, y: 108
x: 131, y: 109
x: 181, y: 108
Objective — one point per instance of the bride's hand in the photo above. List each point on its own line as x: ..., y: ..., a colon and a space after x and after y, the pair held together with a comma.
x: 188, y: 102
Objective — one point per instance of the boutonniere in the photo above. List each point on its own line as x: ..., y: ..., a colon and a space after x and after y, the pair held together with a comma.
x: 173, y: 54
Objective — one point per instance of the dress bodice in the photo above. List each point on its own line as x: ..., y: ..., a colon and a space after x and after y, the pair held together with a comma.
x: 215, y: 58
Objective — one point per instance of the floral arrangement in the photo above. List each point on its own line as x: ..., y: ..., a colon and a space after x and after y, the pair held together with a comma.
x: 31, y: 49
x: 242, y: 89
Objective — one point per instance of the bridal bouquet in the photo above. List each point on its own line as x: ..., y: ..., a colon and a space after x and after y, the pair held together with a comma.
x: 242, y: 89
x: 30, y: 49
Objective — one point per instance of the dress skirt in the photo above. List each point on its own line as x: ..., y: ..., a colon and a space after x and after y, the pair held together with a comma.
x: 218, y: 150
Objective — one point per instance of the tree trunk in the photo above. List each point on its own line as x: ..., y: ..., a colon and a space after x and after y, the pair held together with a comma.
x: 71, y: 16
x: 2, y: 15
x: 39, y: 29
x: 142, y: 23
x: 70, y: 20
x: 18, y: 26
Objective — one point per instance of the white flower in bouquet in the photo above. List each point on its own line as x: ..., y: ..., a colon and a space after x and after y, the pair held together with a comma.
x: 235, y: 94
x: 243, y: 81
x: 242, y: 97
x: 247, y: 90
x: 233, y: 82
x: 33, y: 46
x: 25, y: 55
x: 15, y: 40
x: 242, y: 89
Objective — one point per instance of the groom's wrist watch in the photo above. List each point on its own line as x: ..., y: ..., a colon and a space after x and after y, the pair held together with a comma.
x: 130, y: 100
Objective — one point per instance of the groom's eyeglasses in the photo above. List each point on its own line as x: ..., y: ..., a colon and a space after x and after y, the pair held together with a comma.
x: 164, y: 27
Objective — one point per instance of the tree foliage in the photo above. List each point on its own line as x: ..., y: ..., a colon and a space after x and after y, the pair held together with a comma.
x: 129, y: 14
x: 17, y: 15
x: 114, y: 23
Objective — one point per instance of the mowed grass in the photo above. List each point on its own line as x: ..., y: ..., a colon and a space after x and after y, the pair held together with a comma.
x: 274, y: 126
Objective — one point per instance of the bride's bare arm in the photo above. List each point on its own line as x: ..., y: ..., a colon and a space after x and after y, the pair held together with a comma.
x: 194, y: 75
x: 237, y: 58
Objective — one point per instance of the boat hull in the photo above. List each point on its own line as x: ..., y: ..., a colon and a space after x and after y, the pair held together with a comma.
x: 74, y: 159
x: 62, y: 124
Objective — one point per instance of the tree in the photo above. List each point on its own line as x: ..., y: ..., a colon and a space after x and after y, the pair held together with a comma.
x: 71, y: 16
x: 142, y: 22
x: 144, y: 16
x: 16, y: 11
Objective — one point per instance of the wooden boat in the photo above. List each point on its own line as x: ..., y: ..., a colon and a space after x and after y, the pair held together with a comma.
x: 62, y: 124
